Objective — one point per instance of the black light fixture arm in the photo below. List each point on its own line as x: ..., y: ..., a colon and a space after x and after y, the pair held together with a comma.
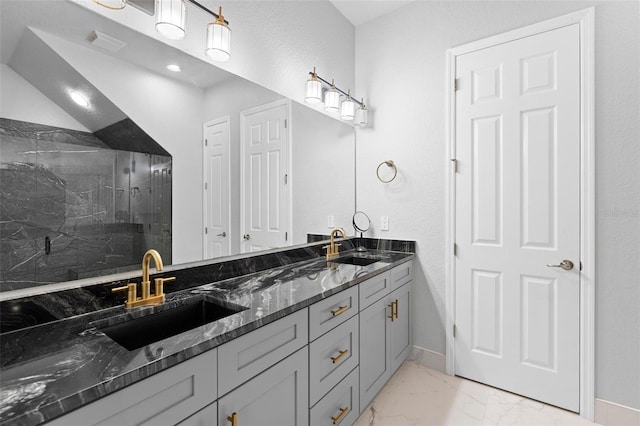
x: 336, y: 87
x: 195, y: 3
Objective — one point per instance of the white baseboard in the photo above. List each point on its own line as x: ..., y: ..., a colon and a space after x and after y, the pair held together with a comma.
x: 426, y: 358
x: 612, y: 414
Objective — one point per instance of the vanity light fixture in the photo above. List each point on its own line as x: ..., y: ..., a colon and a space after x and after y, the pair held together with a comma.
x: 112, y: 4
x: 332, y: 99
x: 350, y: 108
x: 79, y: 98
x: 174, y: 67
x: 171, y: 17
x: 313, y: 93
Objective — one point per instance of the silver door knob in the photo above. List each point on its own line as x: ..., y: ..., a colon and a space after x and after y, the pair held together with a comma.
x: 224, y: 234
x: 246, y: 236
x: 567, y: 265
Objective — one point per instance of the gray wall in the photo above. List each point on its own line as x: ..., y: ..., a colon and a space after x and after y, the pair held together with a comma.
x: 401, y: 73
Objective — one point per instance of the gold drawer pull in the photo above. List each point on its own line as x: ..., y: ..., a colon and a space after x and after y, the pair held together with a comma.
x: 337, y: 419
x: 392, y: 315
x: 233, y: 418
x: 340, y: 310
x: 336, y: 359
x: 396, y: 305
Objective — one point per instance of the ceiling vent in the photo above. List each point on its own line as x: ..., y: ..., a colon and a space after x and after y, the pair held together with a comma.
x: 106, y: 42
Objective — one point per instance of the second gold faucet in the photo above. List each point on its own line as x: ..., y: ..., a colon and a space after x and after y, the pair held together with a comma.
x: 145, y: 286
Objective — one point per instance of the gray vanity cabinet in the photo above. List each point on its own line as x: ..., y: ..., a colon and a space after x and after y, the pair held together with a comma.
x: 166, y: 398
x: 385, y: 334
x: 278, y: 396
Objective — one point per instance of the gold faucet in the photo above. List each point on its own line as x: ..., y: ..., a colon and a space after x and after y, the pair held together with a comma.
x: 145, y: 286
x: 332, y: 248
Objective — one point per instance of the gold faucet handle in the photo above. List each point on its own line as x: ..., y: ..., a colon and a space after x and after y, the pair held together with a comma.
x: 160, y: 285
x: 131, y: 289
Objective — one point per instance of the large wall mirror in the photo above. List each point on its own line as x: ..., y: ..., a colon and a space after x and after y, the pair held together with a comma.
x: 198, y: 163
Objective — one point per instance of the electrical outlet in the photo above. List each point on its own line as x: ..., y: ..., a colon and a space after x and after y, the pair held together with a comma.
x: 384, y: 223
x: 330, y: 221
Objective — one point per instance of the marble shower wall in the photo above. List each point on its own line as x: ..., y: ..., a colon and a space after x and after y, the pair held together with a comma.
x: 72, y: 207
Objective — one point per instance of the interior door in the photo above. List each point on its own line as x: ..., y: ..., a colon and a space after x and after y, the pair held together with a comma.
x: 517, y: 214
x: 216, y: 187
x: 265, y: 197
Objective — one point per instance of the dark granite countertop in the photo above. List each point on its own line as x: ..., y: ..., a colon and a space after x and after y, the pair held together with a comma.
x: 51, y: 369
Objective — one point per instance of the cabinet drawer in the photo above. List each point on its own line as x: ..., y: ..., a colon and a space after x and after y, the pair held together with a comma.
x: 401, y: 274
x: 162, y: 399
x: 248, y: 355
x: 343, y: 398
x: 374, y: 289
x: 331, y: 357
x: 332, y: 311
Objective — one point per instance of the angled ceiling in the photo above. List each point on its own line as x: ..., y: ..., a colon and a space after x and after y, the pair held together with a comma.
x: 362, y: 11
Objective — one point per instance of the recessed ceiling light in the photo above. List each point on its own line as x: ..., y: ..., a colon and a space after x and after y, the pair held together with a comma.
x: 79, y: 98
x: 174, y: 68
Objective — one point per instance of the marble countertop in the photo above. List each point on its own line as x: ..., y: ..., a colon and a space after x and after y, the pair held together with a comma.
x: 54, y: 368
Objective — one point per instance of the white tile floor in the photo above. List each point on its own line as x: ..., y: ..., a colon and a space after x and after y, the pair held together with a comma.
x: 416, y: 395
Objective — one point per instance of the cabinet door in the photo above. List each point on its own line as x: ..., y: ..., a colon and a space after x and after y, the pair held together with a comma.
x: 400, y: 326
x: 278, y: 396
x: 208, y: 416
x: 375, y: 362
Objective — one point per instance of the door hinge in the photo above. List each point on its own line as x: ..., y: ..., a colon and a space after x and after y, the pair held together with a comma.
x: 286, y: 236
x: 455, y: 331
x: 455, y: 165
x: 286, y: 178
x: 455, y: 249
x: 581, y: 265
x: 205, y: 186
x: 456, y: 84
x: 206, y: 142
x: 285, y: 123
x: 206, y: 230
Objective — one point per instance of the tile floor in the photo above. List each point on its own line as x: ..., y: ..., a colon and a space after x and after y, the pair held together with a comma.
x: 416, y: 395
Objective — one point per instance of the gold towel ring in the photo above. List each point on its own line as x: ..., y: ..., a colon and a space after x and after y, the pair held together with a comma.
x: 390, y: 164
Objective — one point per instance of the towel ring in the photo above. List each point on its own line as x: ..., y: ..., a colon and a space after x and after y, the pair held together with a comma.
x: 390, y: 164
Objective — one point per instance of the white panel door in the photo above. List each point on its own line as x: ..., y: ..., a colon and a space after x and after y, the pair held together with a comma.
x: 517, y: 211
x: 216, y: 188
x: 265, y: 198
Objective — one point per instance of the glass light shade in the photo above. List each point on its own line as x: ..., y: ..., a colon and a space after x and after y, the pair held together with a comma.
x: 218, y: 41
x: 361, y: 116
x: 347, y: 109
x: 314, y: 91
x: 112, y: 4
x: 332, y: 100
x: 79, y: 98
x: 171, y: 16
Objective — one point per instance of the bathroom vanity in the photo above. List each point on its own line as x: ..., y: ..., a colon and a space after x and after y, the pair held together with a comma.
x: 310, y: 341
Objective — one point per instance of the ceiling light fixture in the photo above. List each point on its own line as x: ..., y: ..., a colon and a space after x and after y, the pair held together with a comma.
x: 79, y: 98
x: 347, y: 109
x: 171, y: 16
x: 174, y: 67
x: 112, y: 4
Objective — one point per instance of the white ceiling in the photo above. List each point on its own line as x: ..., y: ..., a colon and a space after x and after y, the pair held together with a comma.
x: 362, y: 11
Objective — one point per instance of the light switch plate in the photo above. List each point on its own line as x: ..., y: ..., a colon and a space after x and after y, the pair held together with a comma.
x: 384, y: 223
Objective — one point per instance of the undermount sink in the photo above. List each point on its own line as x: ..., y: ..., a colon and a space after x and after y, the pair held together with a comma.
x: 357, y: 260
x: 136, y: 333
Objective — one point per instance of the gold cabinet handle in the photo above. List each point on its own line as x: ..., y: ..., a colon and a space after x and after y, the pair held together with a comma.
x: 340, y: 310
x: 392, y: 315
x: 233, y: 418
x: 337, y: 419
x: 395, y: 303
x: 336, y: 359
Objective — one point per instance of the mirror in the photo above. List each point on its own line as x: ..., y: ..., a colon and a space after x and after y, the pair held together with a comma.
x: 361, y: 223
x: 313, y: 175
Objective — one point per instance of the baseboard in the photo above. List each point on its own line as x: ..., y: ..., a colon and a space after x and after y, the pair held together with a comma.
x: 612, y: 414
x: 426, y: 358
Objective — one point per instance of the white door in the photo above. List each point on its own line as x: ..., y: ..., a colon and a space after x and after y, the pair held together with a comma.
x: 265, y: 196
x: 517, y: 211
x: 216, y: 188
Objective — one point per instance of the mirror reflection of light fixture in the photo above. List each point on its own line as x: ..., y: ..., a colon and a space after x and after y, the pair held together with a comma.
x: 218, y: 39
x: 112, y: 4
x: 171, y: 17
x: 313, y: 93
x: 332, y: 99
x: 361, y: 115
x: 348, y: 109
x: 171, y: 22
x: 79, y: 98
